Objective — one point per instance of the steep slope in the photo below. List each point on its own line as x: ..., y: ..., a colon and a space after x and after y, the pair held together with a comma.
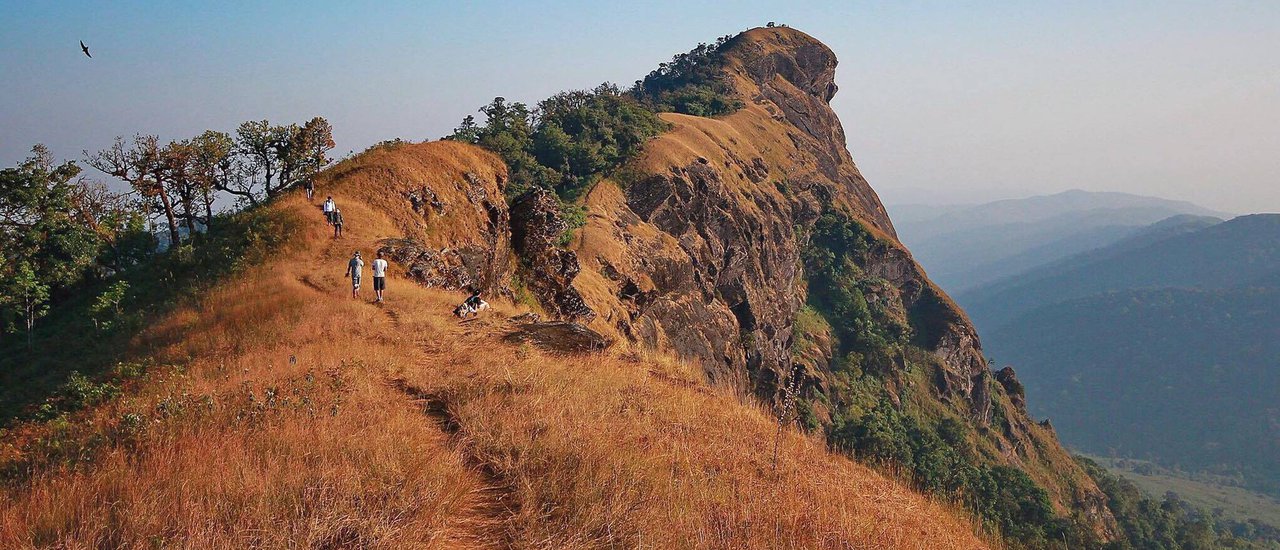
x: 966, y: 247
x: 705, y: 246
x: 276, y: 411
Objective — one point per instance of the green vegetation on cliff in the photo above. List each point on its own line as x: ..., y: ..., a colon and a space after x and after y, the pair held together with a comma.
x: 873, y: 416
x: 572, y: 139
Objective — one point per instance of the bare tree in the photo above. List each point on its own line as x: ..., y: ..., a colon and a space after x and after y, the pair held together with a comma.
x: 142, y: 166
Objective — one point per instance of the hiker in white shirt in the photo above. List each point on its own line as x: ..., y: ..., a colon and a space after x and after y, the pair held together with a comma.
x: 329, y: 207
x: 379, y: 276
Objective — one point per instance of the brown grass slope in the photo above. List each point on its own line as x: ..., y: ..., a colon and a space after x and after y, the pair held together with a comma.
x: 287, y: 414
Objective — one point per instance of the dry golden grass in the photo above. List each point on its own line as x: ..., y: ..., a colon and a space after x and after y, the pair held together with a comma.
x: 396, y: 426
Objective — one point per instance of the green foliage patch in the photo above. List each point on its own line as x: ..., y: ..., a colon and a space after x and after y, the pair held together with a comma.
x: 91, y: 324
x: 568, y: 142
x: 691, y: 83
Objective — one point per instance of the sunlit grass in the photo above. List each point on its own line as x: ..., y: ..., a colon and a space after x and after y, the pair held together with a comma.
x: 279, y: 412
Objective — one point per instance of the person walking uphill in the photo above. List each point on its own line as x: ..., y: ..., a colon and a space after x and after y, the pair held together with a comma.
x: 353, y: 270
x: 329, y: 207
x: 337, y: 224
x: 379, y: 276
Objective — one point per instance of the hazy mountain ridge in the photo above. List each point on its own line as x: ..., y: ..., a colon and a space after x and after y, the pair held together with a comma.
x: 1161, y: 346
x: 1221, y: 255
x: 964, y: 247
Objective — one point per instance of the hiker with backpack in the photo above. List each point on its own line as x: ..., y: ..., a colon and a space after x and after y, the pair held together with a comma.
x: 329, y: 207
x: 337, y: 224
x: 310, y: 187
x: 354, y: 268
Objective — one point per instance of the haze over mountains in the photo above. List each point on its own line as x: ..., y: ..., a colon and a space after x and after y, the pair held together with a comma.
x: 1163, y: 345
x: 965, y: 246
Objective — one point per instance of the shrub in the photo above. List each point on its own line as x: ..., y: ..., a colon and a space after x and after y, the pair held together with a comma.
x: 691, y: 83
x: 568, y: 142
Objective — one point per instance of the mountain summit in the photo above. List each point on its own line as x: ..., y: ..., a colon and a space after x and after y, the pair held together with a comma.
x: 686, y: 349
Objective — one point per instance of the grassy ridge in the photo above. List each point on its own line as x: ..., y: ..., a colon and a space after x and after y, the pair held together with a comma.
x: 278, y: 411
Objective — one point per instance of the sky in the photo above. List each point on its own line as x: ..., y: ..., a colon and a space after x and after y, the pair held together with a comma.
x: 943, y: 102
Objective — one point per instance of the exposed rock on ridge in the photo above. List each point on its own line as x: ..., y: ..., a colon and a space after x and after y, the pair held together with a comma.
x: 699, y: 251
x: 549, y: 268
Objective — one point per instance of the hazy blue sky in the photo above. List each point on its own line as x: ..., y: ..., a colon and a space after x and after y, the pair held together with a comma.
x: 945, y: 101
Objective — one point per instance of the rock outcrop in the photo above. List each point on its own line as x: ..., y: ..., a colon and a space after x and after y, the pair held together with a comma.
x: 452, y: 226
x: 699, y: 252
x: 1017, y: 394
x: 560, y: 336
x: 549, y: 268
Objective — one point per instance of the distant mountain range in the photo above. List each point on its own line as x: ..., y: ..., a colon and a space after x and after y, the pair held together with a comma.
x: 1163, y: 345
x: 965, y: 246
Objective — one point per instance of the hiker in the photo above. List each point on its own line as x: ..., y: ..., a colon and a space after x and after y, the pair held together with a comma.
x: 337, y: 223
x: 353, y: 270
x: 310, y: 186
x: 379, y: 274
x: 329, y: 207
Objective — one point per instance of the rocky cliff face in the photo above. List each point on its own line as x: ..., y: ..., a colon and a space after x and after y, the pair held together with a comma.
x: 699, y: 252
x: 549, y: 268
x: 726, y: 201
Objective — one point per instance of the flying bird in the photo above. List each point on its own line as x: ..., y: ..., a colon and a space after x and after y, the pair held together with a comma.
x: 85, y: 49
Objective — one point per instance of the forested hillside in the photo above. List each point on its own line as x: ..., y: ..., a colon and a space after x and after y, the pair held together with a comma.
x: 1163, y: 347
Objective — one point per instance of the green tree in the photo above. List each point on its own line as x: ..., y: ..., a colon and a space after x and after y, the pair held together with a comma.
x: 119, y: 224
x: 568, y: 142
x: 43, y: 242
x: 277, y: 158
x: 216, y: 167
x: 257, y: 140
x: 309, y: 148
x: 691, y: 83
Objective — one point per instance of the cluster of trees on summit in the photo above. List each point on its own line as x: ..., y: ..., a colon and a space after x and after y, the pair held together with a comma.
x: 59, y: 228
x: 571, y: 139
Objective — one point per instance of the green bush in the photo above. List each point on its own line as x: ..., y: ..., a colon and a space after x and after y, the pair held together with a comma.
x: 691, y: 83
x: 837, y: 247
x: 568, y: 142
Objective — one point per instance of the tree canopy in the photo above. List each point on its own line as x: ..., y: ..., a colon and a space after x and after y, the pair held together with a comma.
x: 567, y: 142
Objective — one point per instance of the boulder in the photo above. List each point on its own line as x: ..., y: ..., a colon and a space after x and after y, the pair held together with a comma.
x: 561, y: 336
